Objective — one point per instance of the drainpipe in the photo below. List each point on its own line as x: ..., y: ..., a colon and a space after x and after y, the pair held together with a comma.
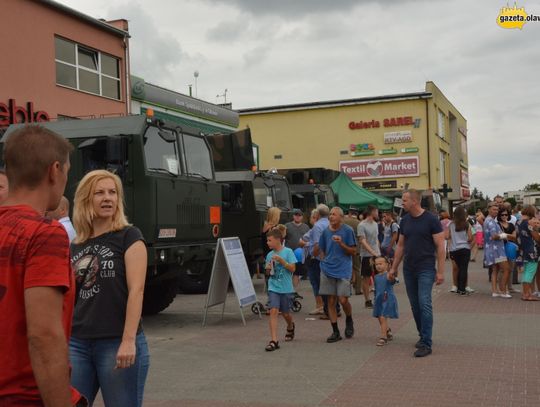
x: 128, y: 70
x: 428, y: 147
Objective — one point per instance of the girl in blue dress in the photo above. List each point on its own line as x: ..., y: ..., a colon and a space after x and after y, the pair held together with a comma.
x: 385, y: 304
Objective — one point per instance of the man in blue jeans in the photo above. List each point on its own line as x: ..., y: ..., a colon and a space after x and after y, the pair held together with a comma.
x: 420, y: 246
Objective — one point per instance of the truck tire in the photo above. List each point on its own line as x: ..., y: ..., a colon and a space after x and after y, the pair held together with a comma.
x: 159, y: 296
x: 195, y: 277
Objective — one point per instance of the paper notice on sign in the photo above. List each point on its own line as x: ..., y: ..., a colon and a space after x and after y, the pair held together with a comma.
x: 398, y: 202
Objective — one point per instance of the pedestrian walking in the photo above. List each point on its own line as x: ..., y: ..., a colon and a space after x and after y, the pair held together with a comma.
x: 421, y: 247
x: 368, y: 232
x: 108, y: 347
x: 37, y: 288
x: 528, y: 234
x: 391, y: 235
x: 337, y: 245
x: 385, y: 302
x: 312, y: 264
x: 295, y: 230
x: 351, y: 219
x: 495, y: 254
x: 280, y: 265
x: 510, y: 246
x: 459, y: 236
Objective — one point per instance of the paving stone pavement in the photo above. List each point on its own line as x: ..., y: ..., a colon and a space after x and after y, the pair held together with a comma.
x: 486, y: 352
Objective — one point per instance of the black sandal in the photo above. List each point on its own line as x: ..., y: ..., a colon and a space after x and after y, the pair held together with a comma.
x: 289, y: 336
x: 272, y: 346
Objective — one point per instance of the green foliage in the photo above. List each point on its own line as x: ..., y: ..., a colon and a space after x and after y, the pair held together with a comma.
x: 532, y: 187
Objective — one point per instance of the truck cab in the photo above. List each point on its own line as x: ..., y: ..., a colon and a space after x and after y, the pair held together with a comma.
x: 246, y: 193
x: 171, y: 194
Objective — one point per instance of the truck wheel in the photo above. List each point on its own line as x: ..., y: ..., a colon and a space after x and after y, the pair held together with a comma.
x: 195, y: 277
x: 159, y: 296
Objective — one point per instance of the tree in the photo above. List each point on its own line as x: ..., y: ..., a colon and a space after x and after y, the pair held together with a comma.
x: 532, y: 187
x: 511, y: 200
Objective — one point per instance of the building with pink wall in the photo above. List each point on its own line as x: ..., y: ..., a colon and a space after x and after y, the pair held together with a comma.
x: 58, y: 63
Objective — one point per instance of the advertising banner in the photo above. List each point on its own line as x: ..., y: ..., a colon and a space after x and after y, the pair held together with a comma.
x: 381, y: 168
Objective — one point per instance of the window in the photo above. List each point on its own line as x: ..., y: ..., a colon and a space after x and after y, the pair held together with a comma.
x: 161, y: 155
x: 198, y: 161
x: 442, y: 167
x: 232, y: 197
x: 85, y: 69
x: 441, y: 124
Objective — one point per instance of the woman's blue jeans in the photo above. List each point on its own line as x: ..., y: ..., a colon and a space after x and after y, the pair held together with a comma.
x: 419, y: 284
x: 93, y: 367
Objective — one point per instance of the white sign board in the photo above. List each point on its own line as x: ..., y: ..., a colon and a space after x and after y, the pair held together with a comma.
x: 230, y: 262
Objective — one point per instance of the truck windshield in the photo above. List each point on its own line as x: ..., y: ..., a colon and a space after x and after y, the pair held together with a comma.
x: 198, y: 161
x: 282, y: 194
x: 161, y: 155
x: 262, y: 194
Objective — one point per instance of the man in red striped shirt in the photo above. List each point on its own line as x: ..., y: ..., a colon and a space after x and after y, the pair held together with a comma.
x: 36, y: 282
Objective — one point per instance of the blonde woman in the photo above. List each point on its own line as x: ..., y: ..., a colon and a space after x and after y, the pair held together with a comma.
x: 108, y: 349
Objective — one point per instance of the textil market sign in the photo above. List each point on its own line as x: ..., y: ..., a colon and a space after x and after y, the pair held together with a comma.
x: 381, y: 168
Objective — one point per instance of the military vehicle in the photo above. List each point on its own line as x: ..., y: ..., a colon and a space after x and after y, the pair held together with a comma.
x: 246, y: 193
x: 310, y: 187
x: 170, y: 194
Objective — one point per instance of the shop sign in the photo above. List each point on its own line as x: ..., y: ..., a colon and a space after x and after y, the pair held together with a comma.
x: 389, y: 122
x: 10, y: 113
x: 386, y: 151
x: 381, y: 168
x: 362, y: 149
x: 379, y: 185
x: 464, y: 178
x: 409, y: 150
x: 465, y: 193
x: 398, y: 137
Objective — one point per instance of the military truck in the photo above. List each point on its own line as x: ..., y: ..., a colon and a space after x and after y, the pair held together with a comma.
x: 310, y: 187
x: 170, y: 194
x: 246, y: 193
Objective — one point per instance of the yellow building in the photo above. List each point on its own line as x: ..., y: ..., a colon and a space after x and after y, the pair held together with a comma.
x: 383, y: 142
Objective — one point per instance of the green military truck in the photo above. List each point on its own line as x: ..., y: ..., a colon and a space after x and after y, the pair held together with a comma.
x: 170, y: 194
x: 246, y: 193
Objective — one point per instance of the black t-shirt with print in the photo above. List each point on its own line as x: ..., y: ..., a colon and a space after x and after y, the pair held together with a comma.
x: 102, y: 292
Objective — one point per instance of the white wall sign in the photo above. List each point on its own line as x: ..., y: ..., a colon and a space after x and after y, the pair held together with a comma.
x: 398, y: 137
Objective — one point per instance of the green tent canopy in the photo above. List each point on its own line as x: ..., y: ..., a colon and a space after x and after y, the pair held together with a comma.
x: 350, y: 194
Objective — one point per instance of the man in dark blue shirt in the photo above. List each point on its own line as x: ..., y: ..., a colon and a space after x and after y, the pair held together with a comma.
x: 421, y: 245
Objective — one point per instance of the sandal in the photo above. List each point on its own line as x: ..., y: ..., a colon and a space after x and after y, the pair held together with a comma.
x: 529, y: 299
x: 272, y: 346
x: 382, y: 341
x: 389, y: 334
x: 289, y: 336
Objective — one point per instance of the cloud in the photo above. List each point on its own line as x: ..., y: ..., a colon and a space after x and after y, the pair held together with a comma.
x: 155, y: 55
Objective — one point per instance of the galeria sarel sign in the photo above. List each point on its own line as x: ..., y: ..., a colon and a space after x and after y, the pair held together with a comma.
x: 381, y: 168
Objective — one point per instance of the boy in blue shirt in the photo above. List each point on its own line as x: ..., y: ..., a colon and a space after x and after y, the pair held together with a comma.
x: 280, y: 266
x: 337, y: 245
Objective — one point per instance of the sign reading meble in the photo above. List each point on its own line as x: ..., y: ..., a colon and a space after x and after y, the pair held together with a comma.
x: 381, y: 168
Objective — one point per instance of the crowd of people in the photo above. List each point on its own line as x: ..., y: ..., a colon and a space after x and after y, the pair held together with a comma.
x: 91, y: 273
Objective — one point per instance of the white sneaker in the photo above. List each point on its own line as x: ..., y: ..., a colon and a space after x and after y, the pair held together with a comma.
x: 453, y: 289
x: 505, y: 295
x: 495, y: 295
x: 469, y: 289
x: 536, y: 293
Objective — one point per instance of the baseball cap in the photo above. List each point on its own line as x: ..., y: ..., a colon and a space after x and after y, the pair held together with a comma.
x: 297, y: 211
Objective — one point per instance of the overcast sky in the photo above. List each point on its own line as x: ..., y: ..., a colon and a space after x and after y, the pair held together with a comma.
x: 268, y: 52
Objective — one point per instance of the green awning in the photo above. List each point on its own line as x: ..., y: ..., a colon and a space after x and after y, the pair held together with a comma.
x: 350, y: 194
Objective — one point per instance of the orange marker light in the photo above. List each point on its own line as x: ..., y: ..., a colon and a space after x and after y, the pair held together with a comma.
x: 149, y: 112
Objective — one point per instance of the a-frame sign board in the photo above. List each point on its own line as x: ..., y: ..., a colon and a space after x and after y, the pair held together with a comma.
x: 230, y: 263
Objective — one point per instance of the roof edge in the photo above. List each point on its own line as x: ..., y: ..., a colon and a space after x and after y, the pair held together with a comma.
x: 75, y: 13
x: 337, y: 103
